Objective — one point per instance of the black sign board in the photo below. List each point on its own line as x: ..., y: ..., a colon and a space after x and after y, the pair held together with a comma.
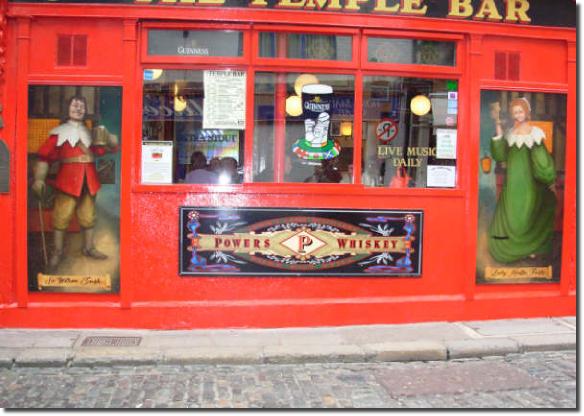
x: 560, y: 13
x: 299, y: 242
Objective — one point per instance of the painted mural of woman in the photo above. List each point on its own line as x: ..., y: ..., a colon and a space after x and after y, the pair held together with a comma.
x: 523, y: 224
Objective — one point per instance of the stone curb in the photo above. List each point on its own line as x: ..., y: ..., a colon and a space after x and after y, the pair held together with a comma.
x: 43, y: 357
x: 108, y: 357
x: 233, y: 356
x: 558, y: 342
x: 407, y: 351
x: 481, y: 348
x: 285, y: 354
x: 298, y: 354
x: 7, y: 357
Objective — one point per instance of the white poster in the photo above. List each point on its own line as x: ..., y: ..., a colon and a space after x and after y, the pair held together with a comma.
x: 446, y: 143
x: 441, y: 176
x: 157, y: 162
x: 439, y: 108
x: 224, y: 104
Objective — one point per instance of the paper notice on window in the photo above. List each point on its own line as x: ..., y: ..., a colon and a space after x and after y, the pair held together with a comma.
x: 441, y: 176
x: 157, y: 162
x: 439, y: 108
x: 446, y: 143
x: 224, y: 104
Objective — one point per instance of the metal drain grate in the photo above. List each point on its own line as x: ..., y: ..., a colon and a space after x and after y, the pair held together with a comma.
x: 111, y: 341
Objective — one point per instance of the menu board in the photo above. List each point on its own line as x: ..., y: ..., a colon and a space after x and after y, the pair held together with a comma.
x: 224, y: 104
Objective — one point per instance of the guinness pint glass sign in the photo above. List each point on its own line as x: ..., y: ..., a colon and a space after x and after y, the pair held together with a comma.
x: 317, y: 105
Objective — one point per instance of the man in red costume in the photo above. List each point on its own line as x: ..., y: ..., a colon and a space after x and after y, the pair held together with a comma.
x: 77, y: 182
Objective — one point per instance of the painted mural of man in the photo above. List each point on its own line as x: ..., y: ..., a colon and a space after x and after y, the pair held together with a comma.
x: 77, y: 182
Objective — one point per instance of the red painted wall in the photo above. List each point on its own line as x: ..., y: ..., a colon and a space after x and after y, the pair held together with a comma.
x: 152, y: 294
x: 104, y: 51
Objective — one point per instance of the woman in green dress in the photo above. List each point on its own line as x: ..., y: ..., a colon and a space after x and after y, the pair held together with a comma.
x: 523, y: 224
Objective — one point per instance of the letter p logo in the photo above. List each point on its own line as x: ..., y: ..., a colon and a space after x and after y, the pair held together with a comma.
x: 303, y: 241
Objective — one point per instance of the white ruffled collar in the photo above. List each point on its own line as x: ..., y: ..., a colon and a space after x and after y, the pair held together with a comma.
x: 536, y: 136
x: 72, y: 132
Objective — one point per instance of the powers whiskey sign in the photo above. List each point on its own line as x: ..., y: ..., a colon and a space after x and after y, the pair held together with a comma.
x: 260, y: 242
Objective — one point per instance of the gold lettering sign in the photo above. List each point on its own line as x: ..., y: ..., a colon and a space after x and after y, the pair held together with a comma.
x: 414, y: 7
x: 99, y: 282
x: 517, y: 11
x: 503, y: 273
x: 509, y: 11
x: 381, y: 6
x: 302, y: 243
x: 488, y: 10
x: 460, y: 9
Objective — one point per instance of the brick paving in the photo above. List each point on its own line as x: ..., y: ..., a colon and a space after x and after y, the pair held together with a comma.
x: 530, y: 380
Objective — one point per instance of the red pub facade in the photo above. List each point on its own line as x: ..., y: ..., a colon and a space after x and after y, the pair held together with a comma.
x: 391, y: 162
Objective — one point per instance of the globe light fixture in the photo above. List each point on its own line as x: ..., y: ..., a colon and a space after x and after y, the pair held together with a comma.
x: 346, y: 128
x: 302, y: 80
x: 294, y: 106
x: 420, y: 105
x: 180, y: 104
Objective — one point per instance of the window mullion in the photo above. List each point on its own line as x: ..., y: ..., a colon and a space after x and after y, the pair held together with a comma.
x: 358, y: 127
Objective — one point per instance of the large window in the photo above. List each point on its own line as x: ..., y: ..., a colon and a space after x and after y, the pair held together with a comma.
x: 323, y: 107
x: 195, y: 43
x: 192, y: 128
x: 305, y: 139
x: 305, y: 46
x: 405, y: 124
x: 411, y: 51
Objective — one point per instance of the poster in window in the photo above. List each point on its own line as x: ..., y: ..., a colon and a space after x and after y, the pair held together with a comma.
x: 74, y: 193
x: 224, y: 104
x: 521, y: 187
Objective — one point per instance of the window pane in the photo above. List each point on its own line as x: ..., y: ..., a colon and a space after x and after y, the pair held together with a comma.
x: 305, y: 46
x: 263, y: 147
x: 305, y: 137
x: 403, y: 149
x: 172, y: 128
x: 411, y: 51
x: 195, y: 43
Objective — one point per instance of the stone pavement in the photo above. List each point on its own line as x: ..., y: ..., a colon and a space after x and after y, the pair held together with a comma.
x: 528, y: 380
x: 436, y: 341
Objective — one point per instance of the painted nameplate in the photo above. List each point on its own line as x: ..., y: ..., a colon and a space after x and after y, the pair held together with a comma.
x: 297, y: 242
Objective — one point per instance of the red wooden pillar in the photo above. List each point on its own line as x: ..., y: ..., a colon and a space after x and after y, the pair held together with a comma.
x: 472, y: 96
x: 280, y: 113
x: 568, y: 283
x: 130, y: 136
x: 7, y: 281
x: 20, y: 160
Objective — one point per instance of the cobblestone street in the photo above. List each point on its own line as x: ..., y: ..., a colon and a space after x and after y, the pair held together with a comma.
x: 531, y: 380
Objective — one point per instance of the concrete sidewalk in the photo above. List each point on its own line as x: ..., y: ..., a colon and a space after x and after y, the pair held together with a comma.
x: 410, y: 342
